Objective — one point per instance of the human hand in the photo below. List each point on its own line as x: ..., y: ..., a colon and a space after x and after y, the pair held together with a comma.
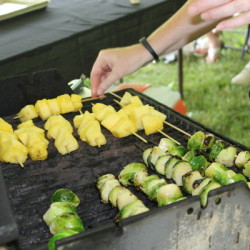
x: 221, y: 9
x: 113, y: 64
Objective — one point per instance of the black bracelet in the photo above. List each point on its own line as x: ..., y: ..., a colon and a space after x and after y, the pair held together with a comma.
x: 145, y: 43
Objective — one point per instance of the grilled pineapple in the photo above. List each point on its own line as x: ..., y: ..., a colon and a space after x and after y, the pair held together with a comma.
x: 29, y: 112
x: 5, y: 126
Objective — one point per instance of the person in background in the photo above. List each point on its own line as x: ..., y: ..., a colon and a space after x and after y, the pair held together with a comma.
x: 194, y: 19
x: 243, y: 78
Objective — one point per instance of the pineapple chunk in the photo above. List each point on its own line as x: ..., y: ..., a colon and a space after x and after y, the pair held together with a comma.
x: 43, y: 109
x: 98, y: 106
x: 54, y: 106
x: 5, y: 126
x: 111, y: 120
x: 85, y: 126
x: 123, y: 128
x: 55, y: 130
x: 94, y: 136
x: 152, y: 124
x: 29, y: 112
x: 128, y: 108
x: 78, y: 119
x: 158, y: 114
x: 77, y: 101
x: 126, y: 99
x: 65, y: 104
x: 101, y: 114
x: 57, y: 119
x: 26, y: 124
x: 65, y: 142
x: 136, y: 100
x: 38, y: 151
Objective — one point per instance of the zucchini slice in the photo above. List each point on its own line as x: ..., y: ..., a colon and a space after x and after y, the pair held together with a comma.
x: 161, y: 163
x: 204, y: 194
x: 102, y: 179
x: 139, y: 178
x: 227, y: 156
x: 117, y: 192
x: 154, y: 155
x: 107, y: 187
x: 125, y: 199
x: 167, y: 144
x: 199, y: 185
x: 153, y: 187
x: 146, y: 154
x: 168, y: 194
x: 188, y: 180
x: 179, y: 170
x: 170, y: 165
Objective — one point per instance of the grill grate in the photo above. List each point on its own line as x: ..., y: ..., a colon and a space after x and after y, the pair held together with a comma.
x: 30, y: 188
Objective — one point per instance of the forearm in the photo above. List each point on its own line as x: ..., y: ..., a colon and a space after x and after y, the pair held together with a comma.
x: 179, y: 31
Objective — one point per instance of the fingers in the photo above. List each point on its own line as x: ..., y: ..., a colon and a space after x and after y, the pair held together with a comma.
x: 235, y: 22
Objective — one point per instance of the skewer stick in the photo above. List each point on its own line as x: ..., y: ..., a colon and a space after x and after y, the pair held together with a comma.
x: 17, y: 117
x: 144, y: 140
x: 169, y: 137
x: 112, y: 93
x: 93, y: 98
x: 182, y: 131
x: 118, y: 102
x: 20, y: 163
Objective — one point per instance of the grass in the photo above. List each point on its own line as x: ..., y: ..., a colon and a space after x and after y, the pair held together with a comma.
x: 209, y: 96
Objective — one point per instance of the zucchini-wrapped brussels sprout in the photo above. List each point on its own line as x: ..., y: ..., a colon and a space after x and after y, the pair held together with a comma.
x: 66, y: 221
x: 167, y: 144
x: 195, y: 142
x: 199, y: 163
x: 102, y: 179
x: 242, y: 158
x: 179, y: 170
x: 65, y: 195
x: 126, y: 176
x: 58, y: 236
x: 246, y: 170
x: 107, y: 187
x: 168, y: 194
x: 199, y: 185
x: 189, y: 155
x: 56, y: 209
x: 155, y: 153
x: 178, y: 150
x: 208, y: 142
x: 204, y: 194
x: 189, y: 179
x: 227, y: 156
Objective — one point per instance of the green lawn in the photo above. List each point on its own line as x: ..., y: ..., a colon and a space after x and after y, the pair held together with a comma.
x: 209, y: 96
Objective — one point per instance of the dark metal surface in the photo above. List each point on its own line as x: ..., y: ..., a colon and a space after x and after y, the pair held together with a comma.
x: 31, y: 187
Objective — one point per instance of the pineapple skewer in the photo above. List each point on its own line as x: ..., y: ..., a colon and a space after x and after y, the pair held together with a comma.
x: 167, y: 123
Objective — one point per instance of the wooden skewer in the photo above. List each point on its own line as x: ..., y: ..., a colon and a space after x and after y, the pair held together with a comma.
x: 93, y: 98
x: 112, y: 93
x: 169, y: 137
x: 17, y: 117
x: 118, y: 102
x: 20, y: 163
x: 182, y: 131
x: 144, y: 140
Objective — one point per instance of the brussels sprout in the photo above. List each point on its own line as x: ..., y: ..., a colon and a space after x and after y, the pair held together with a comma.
x: 242, y: 158
x: 215, y: 170
x: 178, y: 150
x: 102, y: 179
x: 170, y: 165
x: 139, y: 178
x: 208, y: 142
x: 167, y: 144
x: 239, y: 177
x: 58, y: 236
x: 152, y: 187
x: 246, y: 169
x: 199, y: 185
x: 115, y: 193
x: 107, y: 187
x: 132, y: 208
x: 66, y: 221
x: 126, y: 176
x: 160, y: 164
x: 146, y: 154
x: 148, y: 180
x: 195, y: 142
x: 56, y: 209
x: 199, y: 162
x: 188, y: 156
x: 204, y: 194
x: 227, y: 156
x: 189, y: 180
x: 154, y: 155
x: 65, y: 195
x: 125, y: 199
x: 179, y: 170
x: 168, y: 194
x: 215, y: 150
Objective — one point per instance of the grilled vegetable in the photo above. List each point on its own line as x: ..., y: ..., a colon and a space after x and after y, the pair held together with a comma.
x: 170, y: 165
x: 207, y: 143
x: 188, y: 156
x: 155, y: 153
x: 199, y: 185
x: 204, y: 194
x: 139, y: 178
x: 246, y: 169
x: 227, y: 156
x: 168, y: 194
x: 189, y: 179
x: 215, y: 150
x: 167, y: 145
x: 179, y: 170
x: 126, y: 176
x: 65, y: 195
x: 58, y: 236
x: 146, y: 154
x: 195, y: 142
x: 199, y: 162
x: 160, y: 164
x: 106, y: 189
x: 66, y: 221
x: 56, y: 209
x: 133, y: 208
x: 178, y: 151
x: 242, y: 158
x: 102, y: 179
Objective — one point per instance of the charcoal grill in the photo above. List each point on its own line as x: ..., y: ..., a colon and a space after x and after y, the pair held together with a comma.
x: 25, y: 192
